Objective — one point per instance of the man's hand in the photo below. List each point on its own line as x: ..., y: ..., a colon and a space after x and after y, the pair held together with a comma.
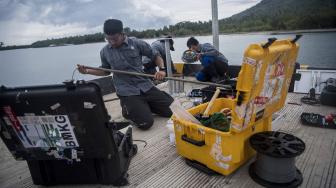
x: 85, y: 70
x: 82, y: 69
x: 198, y: 56
x: 160, y: 75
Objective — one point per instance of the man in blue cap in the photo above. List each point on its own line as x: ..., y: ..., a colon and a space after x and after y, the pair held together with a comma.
x: 139, y: 98
x: 215, y: 64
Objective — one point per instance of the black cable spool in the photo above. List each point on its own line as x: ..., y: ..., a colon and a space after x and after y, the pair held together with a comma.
x: 275, y: 163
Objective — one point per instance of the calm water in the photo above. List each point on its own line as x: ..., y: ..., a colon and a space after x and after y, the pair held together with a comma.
x: 41, y: 66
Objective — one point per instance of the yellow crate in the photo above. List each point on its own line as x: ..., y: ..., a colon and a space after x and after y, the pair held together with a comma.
x: 262, y: 84
x: 179, y: 67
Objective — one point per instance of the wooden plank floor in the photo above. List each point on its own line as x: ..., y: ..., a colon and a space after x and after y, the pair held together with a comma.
x: 158, y: 164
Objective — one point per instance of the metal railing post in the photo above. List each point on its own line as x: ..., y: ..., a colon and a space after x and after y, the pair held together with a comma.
x: 168, y: 64
x: 215, y: 37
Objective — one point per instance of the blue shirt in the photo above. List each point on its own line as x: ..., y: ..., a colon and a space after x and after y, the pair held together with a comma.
x: 128, y: 57
x: 211, y: 51
x: 210, y: 55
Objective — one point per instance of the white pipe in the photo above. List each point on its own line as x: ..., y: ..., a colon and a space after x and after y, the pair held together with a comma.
x: 215, y: 38
x: 168, y: 64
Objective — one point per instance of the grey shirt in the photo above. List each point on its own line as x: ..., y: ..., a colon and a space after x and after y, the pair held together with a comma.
x: 128, y: 57
x: 159, y: 48
x: 210, y: 50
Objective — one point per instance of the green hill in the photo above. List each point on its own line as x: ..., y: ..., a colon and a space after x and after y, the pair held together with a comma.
x: 283, y: 15
x: 268, y: 15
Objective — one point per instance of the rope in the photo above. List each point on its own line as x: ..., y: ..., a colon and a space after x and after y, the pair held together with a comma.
x: 141, y: 141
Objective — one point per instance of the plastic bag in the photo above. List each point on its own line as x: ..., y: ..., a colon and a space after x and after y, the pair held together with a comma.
x: 181, y: 113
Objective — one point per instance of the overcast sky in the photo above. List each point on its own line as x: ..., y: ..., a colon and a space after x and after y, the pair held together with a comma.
x: 26, y: 21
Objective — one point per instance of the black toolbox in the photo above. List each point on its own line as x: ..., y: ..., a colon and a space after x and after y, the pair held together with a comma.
x: 64, y: 133
x: 328, y: 96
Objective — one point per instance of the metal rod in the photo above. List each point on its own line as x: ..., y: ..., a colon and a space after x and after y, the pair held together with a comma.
x: 108, y: 100
x: 166, y: 78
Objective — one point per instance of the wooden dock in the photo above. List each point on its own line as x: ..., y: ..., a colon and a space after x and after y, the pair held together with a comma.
x: 159, y: 165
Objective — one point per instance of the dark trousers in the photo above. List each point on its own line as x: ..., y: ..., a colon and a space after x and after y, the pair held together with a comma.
x: 139, y: 108
x: 215, y: 71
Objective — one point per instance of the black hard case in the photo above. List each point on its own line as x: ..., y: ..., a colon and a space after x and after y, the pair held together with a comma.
x: 104, y: 151
x: 328, y: 97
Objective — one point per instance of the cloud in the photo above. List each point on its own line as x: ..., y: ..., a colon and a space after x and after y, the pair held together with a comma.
x: 197, y: 10
x: 24, y: 22
x: 28, y: 32
x: 242, y: 2
x: 154, y: 16
x: 227, y: 8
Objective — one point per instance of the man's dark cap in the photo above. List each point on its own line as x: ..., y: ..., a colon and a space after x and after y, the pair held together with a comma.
x: 113, y: 26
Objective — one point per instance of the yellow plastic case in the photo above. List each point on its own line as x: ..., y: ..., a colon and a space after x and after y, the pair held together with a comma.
x: 262, y: 85
x: 179, y: 67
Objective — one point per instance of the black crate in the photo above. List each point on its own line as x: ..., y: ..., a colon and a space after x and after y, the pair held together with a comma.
x: 328, y: 97
x: 36, y: 124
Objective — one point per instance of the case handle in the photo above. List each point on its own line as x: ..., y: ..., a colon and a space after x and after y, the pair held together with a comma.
x: 297, y: 37
x: 192, y: 141
x: 269, y: 43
